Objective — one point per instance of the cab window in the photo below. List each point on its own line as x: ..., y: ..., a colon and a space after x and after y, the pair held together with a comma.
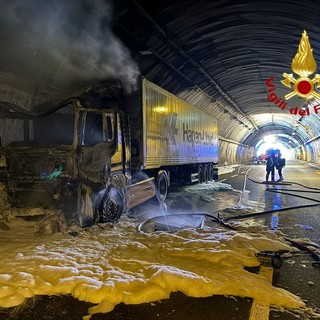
x: 98, y: 127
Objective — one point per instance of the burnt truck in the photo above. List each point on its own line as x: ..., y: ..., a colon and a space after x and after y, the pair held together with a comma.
x: 101, y: 153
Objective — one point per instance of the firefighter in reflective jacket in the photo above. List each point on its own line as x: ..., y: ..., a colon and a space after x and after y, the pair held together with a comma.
x: 270, y: 167
x: 279, y: 163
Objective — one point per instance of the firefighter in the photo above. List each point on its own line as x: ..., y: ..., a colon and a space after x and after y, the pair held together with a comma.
x: 279, y: 163
x: 270, y: 167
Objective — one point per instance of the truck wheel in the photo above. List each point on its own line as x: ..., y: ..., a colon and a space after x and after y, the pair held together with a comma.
x: 162, y: 185
x: 206, y: 174
x: 211, y: 172
x: 85, y: 207
x: 200, y: 174
x: 112, y: 205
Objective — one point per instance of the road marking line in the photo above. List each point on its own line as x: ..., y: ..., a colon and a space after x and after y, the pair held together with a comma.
x: 222, y: 180
x: 234, y: 175
x: 259, y: 310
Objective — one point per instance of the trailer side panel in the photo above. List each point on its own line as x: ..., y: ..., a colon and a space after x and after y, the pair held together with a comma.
x: 175, y: 132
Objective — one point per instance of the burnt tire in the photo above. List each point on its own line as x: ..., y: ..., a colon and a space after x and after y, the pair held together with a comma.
x: 112, y: 205
x: 162, y: 185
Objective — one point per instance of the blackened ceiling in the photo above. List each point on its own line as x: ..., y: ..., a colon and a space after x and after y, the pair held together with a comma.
x: 217, y: 55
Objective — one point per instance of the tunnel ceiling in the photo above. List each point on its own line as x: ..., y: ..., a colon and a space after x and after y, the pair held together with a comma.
x: 217, y: 55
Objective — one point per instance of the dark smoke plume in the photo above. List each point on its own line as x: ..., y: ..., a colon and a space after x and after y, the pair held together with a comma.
x: 63, y: 43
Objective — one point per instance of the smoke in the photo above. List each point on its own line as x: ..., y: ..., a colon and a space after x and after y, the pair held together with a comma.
x: 63, y: 43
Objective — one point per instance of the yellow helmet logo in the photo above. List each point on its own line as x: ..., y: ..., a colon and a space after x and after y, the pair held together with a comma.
x: 303, y: 64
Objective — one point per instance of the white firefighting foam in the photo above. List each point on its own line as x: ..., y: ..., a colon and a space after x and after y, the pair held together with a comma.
x: 118, y: 264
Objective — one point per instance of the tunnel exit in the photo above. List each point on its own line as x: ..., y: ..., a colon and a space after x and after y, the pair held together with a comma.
x: 271, y: 142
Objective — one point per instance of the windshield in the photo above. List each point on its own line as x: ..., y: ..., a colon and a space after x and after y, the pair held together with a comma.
x: 56, y: 128
x: 97, y: 127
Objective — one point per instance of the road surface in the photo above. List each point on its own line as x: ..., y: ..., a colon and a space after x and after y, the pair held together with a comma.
x: 296, y: 275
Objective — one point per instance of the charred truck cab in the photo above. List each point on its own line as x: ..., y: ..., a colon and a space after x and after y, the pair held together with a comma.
x: 98, y: 155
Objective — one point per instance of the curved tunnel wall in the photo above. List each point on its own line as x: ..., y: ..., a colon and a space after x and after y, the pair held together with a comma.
x: 310, y: 151
x: 316, y: 147
x: 311, y: 156
x: 231, y: 152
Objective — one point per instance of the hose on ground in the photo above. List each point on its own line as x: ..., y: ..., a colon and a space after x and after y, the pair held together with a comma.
x: 300, y: 246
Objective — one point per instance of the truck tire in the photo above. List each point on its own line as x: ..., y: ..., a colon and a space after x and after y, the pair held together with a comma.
x: 211, y: 173
x: 162, y: 185
x: 200, y: 174
x: 206, y: 174
x: 112, y: 205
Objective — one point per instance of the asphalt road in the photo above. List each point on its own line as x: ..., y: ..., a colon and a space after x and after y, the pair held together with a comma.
x: 297, y: 274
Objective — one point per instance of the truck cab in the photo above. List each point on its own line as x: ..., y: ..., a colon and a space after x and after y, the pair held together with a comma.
x: 77, y: 159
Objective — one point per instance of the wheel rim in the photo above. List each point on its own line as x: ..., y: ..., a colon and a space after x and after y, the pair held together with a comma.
x: 111, y: 209
x: 112, y: 205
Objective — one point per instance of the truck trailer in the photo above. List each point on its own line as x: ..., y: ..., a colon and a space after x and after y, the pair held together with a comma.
x: 103, y: 152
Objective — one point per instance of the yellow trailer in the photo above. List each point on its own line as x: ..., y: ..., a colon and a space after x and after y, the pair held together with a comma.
x: 170, y: 134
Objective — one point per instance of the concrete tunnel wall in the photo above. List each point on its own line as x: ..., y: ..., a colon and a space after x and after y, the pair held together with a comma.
x: 310, y: 151
x: 231, y: 152
x: 316, y: 147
